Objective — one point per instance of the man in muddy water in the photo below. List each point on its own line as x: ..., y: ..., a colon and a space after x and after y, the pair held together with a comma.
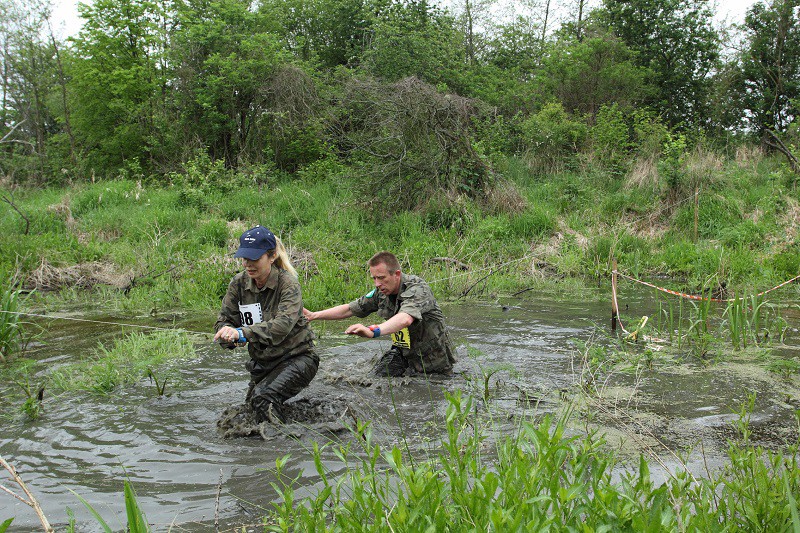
x: 420, y: 342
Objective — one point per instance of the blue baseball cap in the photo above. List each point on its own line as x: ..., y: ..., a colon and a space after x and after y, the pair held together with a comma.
x: 255, y: 242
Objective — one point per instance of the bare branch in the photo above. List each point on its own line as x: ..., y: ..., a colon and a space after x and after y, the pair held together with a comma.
x: 10, y: 201
x: 31, y: 500
x: 778, y: 145
x: 15, y: 126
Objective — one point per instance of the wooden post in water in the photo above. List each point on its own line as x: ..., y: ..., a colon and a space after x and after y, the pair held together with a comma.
x: 696, y: 212
x: 614, y: 309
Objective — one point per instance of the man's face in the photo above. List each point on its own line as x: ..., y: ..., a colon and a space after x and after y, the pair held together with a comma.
x: 385, y: 281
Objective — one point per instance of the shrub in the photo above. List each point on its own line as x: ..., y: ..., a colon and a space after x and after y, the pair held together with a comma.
x: 408, y: 142
x: 610, y: 138
x: 551, y: 139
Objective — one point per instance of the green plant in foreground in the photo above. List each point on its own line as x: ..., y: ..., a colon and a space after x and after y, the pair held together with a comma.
x: 539, y: 479
x: 137, y: 522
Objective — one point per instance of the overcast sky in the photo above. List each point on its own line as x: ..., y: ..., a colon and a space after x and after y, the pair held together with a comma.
x: 67, y: 22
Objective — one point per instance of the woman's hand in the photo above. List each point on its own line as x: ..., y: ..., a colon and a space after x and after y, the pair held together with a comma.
x: 227, y: 334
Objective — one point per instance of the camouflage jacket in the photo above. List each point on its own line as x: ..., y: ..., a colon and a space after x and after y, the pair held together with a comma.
x: 428, y: 345
x: 271, y: 317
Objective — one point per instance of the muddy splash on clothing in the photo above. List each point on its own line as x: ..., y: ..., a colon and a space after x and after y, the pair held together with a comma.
x: 324, y: 418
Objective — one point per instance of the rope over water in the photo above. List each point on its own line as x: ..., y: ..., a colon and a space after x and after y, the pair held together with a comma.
x: 107, y: 323
x: 701, y: 298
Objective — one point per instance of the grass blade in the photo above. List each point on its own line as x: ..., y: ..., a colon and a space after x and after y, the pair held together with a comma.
x: 94, y: 513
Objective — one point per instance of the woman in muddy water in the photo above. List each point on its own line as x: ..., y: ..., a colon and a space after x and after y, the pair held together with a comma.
x: 263, y: 309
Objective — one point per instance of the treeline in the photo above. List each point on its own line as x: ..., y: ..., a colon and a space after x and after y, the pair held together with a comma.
x: 403, y: 93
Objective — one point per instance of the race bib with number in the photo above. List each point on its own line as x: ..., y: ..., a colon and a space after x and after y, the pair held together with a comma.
x: 402, y: 339
x: 250, y: 314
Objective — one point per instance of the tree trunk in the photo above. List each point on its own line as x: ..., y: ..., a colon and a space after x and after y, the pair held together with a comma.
x: 470, y: 41
x: 63, y: 84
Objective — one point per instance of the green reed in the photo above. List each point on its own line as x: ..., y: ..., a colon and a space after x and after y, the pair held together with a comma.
x: 745, y: 322
x: 127, y: 360
x: 136, y: 519
x: 752, y: 321
x: 11, y: 332
x: 541, y: 478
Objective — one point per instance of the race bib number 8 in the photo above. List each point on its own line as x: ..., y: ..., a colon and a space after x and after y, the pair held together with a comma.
x: 250, y: 314
x: 402, y: 338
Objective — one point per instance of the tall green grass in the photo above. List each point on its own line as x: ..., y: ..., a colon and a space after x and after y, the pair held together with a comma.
x: 543, y: 478
x: 129, y: 359
x: 11, y: 331
x: 568, y: 224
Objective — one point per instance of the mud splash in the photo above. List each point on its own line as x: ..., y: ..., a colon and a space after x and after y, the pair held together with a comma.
x: 323, y: 418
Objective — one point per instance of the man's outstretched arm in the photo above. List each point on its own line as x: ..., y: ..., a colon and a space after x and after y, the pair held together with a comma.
x: 338, y: 312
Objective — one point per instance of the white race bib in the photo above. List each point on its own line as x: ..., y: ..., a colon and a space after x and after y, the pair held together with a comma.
x: 250, y: 314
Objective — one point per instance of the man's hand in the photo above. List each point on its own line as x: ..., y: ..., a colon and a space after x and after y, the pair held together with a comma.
x: 310, y: 315
x: 361, y: 330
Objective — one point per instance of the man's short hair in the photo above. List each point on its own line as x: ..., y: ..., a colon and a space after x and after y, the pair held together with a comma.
x: 387, y: 258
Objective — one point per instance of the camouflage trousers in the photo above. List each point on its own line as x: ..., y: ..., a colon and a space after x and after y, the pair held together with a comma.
x: 269, y: 388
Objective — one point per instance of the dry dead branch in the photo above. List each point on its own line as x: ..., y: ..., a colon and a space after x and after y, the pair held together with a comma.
x: 28, y: 499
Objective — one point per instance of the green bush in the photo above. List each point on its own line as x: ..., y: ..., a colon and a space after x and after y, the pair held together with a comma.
x: 715, y: 215
x: 786, y: 264
x: 610, y: 138
x: 746, y: 234
x: 679, y: 257
x: 444, y: 213
x: 551, y: 139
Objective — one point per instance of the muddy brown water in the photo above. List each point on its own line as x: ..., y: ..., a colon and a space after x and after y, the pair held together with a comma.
x: 187, y: 474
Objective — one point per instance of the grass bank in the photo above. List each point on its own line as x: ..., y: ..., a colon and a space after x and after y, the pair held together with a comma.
x: 150, y: 247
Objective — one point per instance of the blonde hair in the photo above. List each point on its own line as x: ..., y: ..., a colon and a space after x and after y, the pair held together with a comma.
x: 282, y: 258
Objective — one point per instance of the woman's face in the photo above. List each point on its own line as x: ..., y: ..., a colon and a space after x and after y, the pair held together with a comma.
x: 259, y: 269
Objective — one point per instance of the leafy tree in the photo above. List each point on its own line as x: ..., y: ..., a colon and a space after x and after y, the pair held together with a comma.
x: 675, y: 39
x: 119, y: 81
x: 332, y: 32
x: 415, y: 38
x: 226, y: 59
x: 770, y: 65
x: 516, y: 46
x: 586, y: 74
x: 28, y: 82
